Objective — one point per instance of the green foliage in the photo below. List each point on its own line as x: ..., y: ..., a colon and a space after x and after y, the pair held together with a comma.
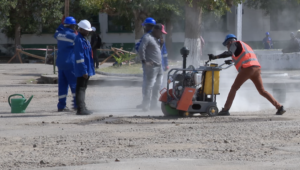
x: 271, y: 5
x: 29, y: 14
x: 38, y: 16
x: 124, y: 57
x: 163, y: 10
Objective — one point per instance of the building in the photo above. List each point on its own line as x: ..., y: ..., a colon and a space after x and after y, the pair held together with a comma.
x: 255, y: 24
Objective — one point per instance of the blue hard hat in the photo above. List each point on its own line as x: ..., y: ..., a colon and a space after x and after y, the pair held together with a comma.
x: 229, y: 36
x: 70, y: 21
x: 267, y: 33
x: 149, y: 21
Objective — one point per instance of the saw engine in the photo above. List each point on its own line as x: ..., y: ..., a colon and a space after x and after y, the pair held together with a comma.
x: 192, y: 90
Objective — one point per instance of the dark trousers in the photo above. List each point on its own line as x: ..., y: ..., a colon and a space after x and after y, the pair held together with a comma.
x: 252, y: 73
x: 80, y: 92
x: 96, y: 59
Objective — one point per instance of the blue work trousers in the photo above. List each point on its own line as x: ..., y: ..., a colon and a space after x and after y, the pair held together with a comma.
x: 66, y: 78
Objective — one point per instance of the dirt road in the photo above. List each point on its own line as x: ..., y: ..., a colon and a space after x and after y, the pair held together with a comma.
x: 43, y: 138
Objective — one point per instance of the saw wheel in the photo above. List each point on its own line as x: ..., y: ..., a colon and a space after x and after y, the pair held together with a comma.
x: 168, y: 110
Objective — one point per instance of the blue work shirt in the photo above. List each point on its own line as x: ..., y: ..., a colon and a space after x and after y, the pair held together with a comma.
x: 83, y: 57
x: 268, y: 44
x: 65, y: 43
x: 164, y: 57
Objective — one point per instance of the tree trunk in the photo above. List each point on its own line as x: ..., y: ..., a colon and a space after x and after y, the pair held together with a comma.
x: 17, y: 40
x: 67, y: 9
x: 193, y: 16
x: 169, y: 41
x: 138, y: 29
x: 17, y: 35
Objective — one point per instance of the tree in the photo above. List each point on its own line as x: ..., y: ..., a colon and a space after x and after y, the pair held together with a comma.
x: 269, y: 5
x: 193, y: 19
x: 134, y: 10
x: 28, y: 16
x: 167, y: 12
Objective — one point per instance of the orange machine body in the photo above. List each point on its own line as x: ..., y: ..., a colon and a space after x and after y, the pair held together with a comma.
x: 186, y: 99
x: 164, y: 96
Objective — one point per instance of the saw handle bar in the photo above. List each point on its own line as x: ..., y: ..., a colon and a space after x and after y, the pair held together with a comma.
x: 228, y: 62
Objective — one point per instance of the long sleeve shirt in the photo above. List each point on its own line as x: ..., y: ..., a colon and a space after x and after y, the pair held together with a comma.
x: 65, y: 43
x: 149, y: 49
x: 164, y: 57
x: 235, y: 49
x: 267, y: 42
x: 83, y: 57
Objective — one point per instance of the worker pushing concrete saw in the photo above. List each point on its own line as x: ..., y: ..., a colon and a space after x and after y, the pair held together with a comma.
x: 248, y: 67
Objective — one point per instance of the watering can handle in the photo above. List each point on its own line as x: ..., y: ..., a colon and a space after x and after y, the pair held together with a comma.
x: 14, y: 95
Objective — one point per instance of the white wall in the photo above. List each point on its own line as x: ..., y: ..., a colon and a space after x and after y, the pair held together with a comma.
x: 255, y: 24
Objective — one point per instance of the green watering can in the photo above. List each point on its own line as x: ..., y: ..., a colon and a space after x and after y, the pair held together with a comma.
x: 18, y: 105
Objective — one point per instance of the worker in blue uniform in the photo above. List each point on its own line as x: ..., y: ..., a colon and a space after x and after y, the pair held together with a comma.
x: 65, y: 36
x: 164, y: 63
x: 267, y: 41
x: 84, y: 67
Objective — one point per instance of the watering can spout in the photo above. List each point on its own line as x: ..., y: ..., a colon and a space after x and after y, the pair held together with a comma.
x: 26, y: 103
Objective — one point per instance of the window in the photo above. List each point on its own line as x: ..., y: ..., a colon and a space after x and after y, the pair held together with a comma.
x: 49, y: 28
x: 94, y: 20
x: 119, y: 24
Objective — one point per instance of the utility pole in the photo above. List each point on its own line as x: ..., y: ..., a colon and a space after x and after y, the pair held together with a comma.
x: 67, y: 3
x: 239, y: 21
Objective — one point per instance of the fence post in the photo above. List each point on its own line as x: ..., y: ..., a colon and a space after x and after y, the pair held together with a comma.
x: 46, y: 55
x: 54, y: 60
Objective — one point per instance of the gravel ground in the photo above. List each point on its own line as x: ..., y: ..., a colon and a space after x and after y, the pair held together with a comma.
x: 45, y: 138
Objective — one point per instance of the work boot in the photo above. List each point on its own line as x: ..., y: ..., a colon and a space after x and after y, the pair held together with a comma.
x: 224, y: 112
x: 84, y: 112
x: 280, y: 111
x: 66, y: 109
x: 140, y: 106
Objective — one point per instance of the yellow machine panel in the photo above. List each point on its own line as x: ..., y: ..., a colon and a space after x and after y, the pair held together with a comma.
x: 208, y: 82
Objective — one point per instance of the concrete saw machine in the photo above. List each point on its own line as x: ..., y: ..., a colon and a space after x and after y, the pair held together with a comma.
x: 192, y: 90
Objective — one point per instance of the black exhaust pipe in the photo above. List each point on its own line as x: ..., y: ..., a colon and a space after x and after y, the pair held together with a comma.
x: 184, y: 52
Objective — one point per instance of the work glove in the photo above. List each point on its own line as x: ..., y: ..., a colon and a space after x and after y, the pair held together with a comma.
x: 212, y: 57
x: 228, y: 62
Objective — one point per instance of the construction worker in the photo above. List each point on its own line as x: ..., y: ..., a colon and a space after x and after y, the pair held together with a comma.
x: 267, y: 41
x: 148, y: 25
x: 84, y: 67
x: 164, y: 55
x: 248, y: 67
x: 65, y: 35
x: 96, y: 44
x: 293, y: 45
x: 150, y: 55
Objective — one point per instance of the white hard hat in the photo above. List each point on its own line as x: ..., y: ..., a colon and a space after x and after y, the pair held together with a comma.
x: 85, y: 24
x: 93, y: 28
